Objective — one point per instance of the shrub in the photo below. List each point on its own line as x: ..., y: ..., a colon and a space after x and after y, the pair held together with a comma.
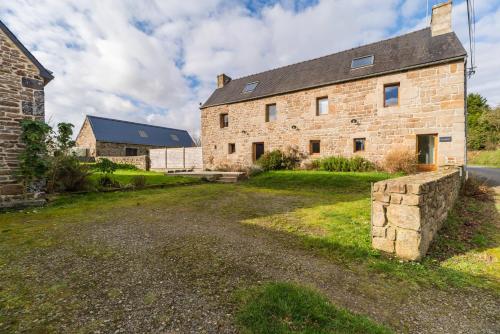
x: 292, y: 157
x: 342, y: 164
x: 105, y: 166
x: 400, y: 160
x: 272, y: 160
x: 106, y: 181
x: 139, y: 181
x: 67, y: 174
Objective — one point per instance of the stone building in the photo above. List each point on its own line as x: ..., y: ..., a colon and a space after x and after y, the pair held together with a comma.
x: 110, y: 137
x: 404, y: 92
x: 22, y: 82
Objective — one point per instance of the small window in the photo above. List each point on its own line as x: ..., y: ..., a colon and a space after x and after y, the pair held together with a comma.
x: 362, y: 62
x: 391, y: 95
x: 130, y: 152
x: 249, y: 87
x: 231, y: 148
x: 322, y: 106
x: 271, y: 113
x: 359, y: 144
x: 174, y: 137
x: 224, y: 120
x: 143, y: 134
x: 314, y: 147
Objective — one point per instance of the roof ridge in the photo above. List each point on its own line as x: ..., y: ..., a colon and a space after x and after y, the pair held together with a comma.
x: 136, y: 123
x: 331, y: 54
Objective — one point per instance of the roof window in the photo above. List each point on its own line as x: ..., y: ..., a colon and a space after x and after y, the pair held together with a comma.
x: 174, y: 137
x: 362, y: 62
x: 250, y: 87
x: 143, y: 134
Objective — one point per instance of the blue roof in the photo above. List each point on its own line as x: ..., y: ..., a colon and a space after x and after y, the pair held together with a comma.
x: 117, y: 131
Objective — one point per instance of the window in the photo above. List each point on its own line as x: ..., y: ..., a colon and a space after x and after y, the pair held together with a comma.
x: 174, y: 137
x: 322, y: 106
x: 314, y: 147
x: 271, y: 113
x: 391, y: 95
x: 224, y: 120
x: 143, y: 134
x: 359, y: 144
x: 129, y: 152
x: 249, y: 87
x: 362, y: 62
x: 231, y: 148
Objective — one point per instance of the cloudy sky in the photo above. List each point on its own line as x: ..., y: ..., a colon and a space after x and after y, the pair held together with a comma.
x: 154, y: 61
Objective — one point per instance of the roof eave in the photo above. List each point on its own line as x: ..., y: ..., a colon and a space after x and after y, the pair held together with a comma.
x: 443, y: 61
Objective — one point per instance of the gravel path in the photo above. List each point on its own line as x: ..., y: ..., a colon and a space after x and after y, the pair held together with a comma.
x: 155, y: 268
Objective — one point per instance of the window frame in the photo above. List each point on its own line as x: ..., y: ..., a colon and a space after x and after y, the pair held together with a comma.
x: 318, y: 99
x: 354, y: 144
x: 267, y: 112
x: 223, y: 124
x: 394, y: 84
x: 311, y: 145
x: 362, y: 66
x: 244, y: 91
x: 133, y: 149
x: 231, y: 148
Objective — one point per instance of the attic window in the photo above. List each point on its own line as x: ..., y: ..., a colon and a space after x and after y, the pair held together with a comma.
x: 143, y: 134
x: 362, y: 62
x: 250, y: 87
x: 174, y: 137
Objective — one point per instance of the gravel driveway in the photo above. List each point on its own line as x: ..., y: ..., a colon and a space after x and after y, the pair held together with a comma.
x: 171, y: 266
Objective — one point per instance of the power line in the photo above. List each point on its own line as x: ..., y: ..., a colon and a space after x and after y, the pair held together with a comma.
x: 471, y: 19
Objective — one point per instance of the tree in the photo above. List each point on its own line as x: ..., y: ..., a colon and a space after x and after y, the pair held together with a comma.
x: 482, y: 123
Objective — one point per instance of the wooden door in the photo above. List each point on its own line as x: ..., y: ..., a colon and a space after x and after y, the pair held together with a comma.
x: 427, y: 152
x: 258, y: 150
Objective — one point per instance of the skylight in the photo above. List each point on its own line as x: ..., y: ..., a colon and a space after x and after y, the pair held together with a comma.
x: 143, y: 134
x: 174, y: 137
x: 250, y: 87
x: 362, y: 62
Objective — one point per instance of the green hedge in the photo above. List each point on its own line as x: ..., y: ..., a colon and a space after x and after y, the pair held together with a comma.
x: 342, y: 164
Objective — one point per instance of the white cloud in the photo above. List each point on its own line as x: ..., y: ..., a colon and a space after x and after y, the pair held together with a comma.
x: 155, y: 60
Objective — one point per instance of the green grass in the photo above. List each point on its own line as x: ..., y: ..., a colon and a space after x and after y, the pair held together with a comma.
x: 484, y: 158
x: 124, y: 177
x: 282, y: 308
x: 335, y: 221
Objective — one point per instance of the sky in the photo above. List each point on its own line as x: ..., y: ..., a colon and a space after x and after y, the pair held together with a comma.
x: 155, y: 61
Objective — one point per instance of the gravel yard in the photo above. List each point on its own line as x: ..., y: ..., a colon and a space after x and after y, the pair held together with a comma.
x: 170, y: 261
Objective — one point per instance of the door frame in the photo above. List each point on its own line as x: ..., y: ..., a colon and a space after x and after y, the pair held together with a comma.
x: 428, y: 167
x: 254, y: 149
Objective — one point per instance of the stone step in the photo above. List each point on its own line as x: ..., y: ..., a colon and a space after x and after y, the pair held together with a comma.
x: 228, y: 179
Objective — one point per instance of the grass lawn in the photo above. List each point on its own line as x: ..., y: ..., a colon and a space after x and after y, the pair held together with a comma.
x: 125, y: 177
x: 484, y: 158
x: 179, y: 258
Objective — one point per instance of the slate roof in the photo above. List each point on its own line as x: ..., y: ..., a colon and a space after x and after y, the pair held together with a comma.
x: 44, y: 73
x: 117, y: 131
x: 416, y: 49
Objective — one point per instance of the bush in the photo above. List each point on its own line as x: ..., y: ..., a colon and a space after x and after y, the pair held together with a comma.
x: 272, y: 160
x: 106, y: 181
x: 67, y: 174
x: 139, y: 181
x: 401, y: 160
x: 342, y: 164
x: 105, y: 166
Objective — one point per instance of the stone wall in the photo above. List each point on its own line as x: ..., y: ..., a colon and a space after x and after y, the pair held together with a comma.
x: 431, y: 102
x: 86, y: 139
x: 139, y: 161
x: 408, y: 211
x: 21, y: 96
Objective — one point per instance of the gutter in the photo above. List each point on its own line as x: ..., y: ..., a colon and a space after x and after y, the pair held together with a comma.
x: 449, y: 60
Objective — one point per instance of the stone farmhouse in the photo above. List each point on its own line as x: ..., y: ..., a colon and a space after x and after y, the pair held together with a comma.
x: 116, y: 138
x: 404, y: 92
x: 22, y: 82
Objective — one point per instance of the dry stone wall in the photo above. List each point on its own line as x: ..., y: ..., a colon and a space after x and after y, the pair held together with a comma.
x: 431, y: 102
x: 408, y: 211
x: 139, y: 161
x: 21, y: 97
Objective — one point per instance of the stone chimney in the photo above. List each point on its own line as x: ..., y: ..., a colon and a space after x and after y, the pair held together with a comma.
x: 222, y: 80
x: 441, y: 19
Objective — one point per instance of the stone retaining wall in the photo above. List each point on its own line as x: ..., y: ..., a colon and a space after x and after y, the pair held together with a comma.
x: 408, y: 211
x: 139, y: 161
